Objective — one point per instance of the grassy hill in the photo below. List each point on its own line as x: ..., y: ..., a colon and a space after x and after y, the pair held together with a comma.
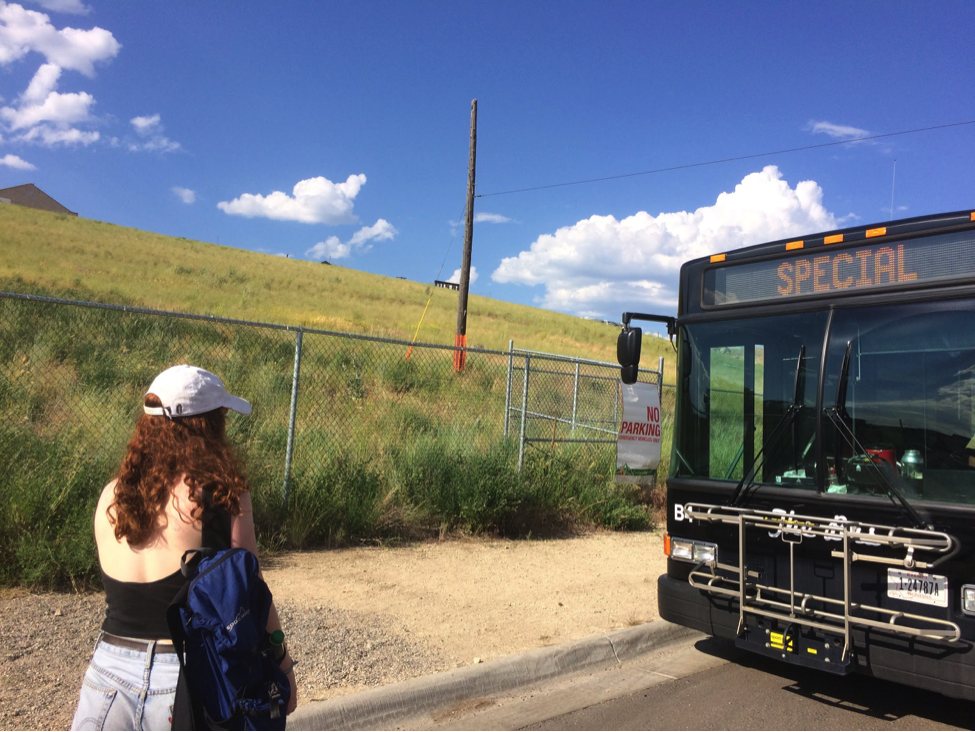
x: 384, y: 448
x: 116, y: 264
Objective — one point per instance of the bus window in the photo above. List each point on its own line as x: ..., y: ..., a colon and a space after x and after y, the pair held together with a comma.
x: 737, y: 380
x: 736, y: 384
x: 910, y: 399
x: 727, y: 405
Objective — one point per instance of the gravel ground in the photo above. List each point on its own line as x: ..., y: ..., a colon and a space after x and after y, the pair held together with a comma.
x: 363, y: 617
x: 48, y: 640
x: 343, y: 651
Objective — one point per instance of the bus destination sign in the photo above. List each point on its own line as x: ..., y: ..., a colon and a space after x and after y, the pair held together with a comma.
x: 823, y: 271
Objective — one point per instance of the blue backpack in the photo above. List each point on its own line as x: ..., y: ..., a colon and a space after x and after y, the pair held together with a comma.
x: 219, y: 621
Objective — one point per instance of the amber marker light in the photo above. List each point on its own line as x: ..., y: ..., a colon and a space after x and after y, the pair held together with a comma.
x: 835, y: 239
x: 717, y: 258
x: 667, y: 545
x: 973, y: 215
x: 876, y: 232
x: 789, y: 246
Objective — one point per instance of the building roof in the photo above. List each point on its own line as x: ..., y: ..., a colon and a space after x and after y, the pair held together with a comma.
x: 33, y: 197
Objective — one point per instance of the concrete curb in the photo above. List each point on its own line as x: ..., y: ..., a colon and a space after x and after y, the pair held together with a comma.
x: 389, y: 706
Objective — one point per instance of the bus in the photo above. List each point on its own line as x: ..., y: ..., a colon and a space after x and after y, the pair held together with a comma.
x: 821, y: 495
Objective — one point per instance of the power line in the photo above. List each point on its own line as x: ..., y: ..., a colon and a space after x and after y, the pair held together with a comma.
x: 450, y: 244
x: 439, y: 272
x: 725, y: 160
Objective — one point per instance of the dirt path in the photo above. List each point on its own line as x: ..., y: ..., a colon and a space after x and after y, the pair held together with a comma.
x: 485, y: 599
x: 360, y: 617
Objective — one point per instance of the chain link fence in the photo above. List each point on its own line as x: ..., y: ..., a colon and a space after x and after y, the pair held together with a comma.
x: 333, y: 412
x: 555, y: 400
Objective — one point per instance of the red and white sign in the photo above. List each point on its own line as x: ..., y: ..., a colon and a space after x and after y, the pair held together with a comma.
x: 638, y: 444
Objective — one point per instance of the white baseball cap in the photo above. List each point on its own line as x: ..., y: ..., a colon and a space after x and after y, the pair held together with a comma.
x: 188, y: 390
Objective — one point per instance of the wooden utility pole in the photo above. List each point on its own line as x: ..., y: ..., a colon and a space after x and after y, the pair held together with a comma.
x: 460, y: 340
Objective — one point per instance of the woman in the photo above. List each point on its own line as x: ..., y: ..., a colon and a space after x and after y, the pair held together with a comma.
x: 146, y: 518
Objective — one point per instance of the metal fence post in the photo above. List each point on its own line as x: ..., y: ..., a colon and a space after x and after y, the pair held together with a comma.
x: 575, y: 398
x: 660, y: 379
x: 616, y: 403
x: 524, y: 415
x: 507, y: 394
x: 291, y: 420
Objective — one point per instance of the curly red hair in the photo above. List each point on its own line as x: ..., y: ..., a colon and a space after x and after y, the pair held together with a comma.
x: 162, y: 451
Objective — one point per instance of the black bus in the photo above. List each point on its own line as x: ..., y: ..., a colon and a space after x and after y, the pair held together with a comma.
x: 821, y: 496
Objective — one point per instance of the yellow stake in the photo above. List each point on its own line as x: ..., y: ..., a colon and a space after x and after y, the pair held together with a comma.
x: 418, y: 329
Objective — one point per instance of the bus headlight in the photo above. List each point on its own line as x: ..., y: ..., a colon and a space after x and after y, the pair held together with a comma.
x: 968, y: 599
x: 682, y: 549
x: 693, y: 551
x: 705, y: 552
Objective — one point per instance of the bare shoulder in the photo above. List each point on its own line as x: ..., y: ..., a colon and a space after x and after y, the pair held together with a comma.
x: 101, y: 511
x: 108, y: 492
x: 107, y: 496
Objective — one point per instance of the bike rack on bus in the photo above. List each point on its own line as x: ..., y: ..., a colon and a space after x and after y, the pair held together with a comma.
x: 923, y: 549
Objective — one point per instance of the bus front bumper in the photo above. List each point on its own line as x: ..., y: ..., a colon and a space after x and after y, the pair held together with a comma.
x: 945, y: 668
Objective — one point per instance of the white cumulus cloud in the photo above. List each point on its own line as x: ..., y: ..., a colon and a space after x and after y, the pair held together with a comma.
x: 313, y: 201
x: 23, y: 31
x: 601, y: 266
x: 331, y: 248
x: 51, y: 136
x: 335, y: 248
x: 42, y: 104
x: 44, y: 81
x: 455, y: 277
x: 379, y: 231
x: 184, y: 194
x: 41, y: 114
x: 12, y: 161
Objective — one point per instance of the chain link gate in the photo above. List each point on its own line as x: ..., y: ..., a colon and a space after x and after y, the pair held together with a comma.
x: 553, y: 399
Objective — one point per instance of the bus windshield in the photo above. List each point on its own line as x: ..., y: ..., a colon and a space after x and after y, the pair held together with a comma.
x: 736, y: 383
x: 909, y: 401
x: 910, y: 398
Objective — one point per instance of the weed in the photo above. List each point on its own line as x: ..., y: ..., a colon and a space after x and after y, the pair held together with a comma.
x: 385, y: 449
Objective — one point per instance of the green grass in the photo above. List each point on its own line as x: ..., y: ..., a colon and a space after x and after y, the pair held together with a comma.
x: 727, y: 410
x: 385, y: 448
x: 116, y: 264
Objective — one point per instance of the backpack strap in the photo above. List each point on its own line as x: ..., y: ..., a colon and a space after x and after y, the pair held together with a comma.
x: 188, y: 711
x: 216, y: 524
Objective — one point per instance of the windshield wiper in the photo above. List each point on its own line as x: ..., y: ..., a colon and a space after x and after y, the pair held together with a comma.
x: 741, y: 490
x: 838, y: 415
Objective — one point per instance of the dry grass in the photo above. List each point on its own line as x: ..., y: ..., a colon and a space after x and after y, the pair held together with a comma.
x: 136, y: 267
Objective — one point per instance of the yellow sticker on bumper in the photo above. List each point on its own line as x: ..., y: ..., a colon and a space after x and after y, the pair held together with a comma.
x: 777, y: 641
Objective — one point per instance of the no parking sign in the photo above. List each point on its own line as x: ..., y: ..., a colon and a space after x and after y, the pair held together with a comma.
x: 638, y: 444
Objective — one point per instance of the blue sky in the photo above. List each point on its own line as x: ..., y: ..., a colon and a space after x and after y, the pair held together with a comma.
x: 340, y: 130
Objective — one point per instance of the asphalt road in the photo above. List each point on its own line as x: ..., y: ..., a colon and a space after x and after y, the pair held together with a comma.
x: 751, y: 692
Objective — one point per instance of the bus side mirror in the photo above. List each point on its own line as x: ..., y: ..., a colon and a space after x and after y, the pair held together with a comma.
x: 628, y: 354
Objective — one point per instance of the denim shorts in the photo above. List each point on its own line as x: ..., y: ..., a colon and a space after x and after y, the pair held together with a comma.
x: 127, y: 689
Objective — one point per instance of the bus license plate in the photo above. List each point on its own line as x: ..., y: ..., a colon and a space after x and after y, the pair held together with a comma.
x: 928, y: 589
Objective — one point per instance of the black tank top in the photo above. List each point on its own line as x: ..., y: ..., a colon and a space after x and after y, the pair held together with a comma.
x: 138, y: 609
